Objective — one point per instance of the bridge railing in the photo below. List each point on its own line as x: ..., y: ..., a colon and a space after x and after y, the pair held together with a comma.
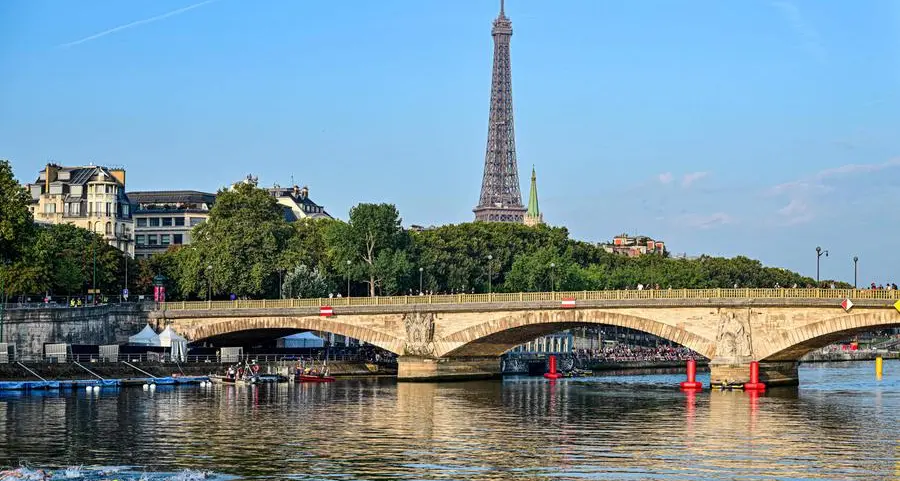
x: 740, y: 293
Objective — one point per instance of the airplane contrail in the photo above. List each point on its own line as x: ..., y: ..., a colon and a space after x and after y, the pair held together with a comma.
x: 136, y: 23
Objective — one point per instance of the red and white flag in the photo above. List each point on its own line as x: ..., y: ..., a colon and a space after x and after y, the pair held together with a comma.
x: 326, y: 311
x: 847, y: 304
x: 568, y: 304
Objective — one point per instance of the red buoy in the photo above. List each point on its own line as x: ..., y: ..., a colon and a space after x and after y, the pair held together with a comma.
x: 552, y: 374
x: 691, y: 382
x: 754, y: 384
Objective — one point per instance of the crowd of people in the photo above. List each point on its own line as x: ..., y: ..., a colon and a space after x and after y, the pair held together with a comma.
x: 625, y: 352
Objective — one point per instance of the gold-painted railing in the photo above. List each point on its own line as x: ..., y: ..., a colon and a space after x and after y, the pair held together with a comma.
x: 746, y: 293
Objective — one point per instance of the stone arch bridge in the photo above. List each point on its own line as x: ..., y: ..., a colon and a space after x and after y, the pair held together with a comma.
x: 463, y: 336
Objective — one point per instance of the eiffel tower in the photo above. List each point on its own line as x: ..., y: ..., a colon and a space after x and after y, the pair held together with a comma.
x: 501, y: 198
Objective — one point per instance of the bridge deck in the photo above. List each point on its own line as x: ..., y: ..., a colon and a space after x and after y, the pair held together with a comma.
x: 750, y: 296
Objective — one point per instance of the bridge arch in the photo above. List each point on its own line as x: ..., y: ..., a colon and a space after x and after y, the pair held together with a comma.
x: 794, y: 344
x: 194, y: 331
x: 494, y: 337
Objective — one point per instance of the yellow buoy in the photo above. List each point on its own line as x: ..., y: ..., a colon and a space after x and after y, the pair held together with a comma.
x: 879, y: 366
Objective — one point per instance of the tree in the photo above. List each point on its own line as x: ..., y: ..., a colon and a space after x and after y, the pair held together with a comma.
x: 455, y: 256
x: 545, y: 269
x: 61, y: 260
x: 307, y: 244
x: 16, y: 223
x: 303, y: 282
x: 238, y: 249
x: 169, y: 264
x: 373, y: 241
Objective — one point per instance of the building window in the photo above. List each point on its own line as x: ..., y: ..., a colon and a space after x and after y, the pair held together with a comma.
x: 197, y: 221
x: 152, y: 240
x: 108, y: 208
x: 108, y: 228
x: 179, y: 221
x: 140, y: 239
x: 165, y: 239
x: 177, y: 239
x: 98, y: 208
x: 49, y: 208
x: 154, y: 222
x: 109, y: 189
x: 142, y: 222
x: 167, y: 222
x: 125, y: 210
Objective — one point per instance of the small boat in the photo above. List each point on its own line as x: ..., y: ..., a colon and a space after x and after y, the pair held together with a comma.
x: 300, y: 377
x: 259, y: 379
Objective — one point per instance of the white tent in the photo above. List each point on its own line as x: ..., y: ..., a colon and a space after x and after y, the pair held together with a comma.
x: 170, y: 338
x: 147, y: 337
x: 304, y: 339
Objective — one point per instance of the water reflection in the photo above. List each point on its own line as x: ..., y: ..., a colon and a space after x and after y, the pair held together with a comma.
x: 841, y: 425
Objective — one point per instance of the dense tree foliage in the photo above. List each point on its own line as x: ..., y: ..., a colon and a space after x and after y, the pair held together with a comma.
x: 16, y: 223
x: 246, y: 248
x: 239, y: 249
x: 372, y: 246
x: 303, y: 282
x: 64, y: 260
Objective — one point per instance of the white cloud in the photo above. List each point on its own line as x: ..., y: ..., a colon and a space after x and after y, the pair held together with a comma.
x: 796, y: 212
x: 689, y: 179
x: 665, y: 178
x: 805, y: 193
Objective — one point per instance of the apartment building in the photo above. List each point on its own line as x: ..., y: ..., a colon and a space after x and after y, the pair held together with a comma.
x: 635, y: 246
x: 92, y: 197
x: 165, y: 218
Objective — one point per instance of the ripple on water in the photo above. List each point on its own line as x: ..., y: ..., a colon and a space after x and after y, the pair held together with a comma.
x: 841, y: 424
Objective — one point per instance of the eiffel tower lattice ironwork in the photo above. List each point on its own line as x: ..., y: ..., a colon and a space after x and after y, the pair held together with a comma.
x: 501, y: 197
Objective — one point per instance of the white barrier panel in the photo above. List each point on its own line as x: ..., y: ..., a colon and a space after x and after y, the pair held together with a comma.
x: 5, y: 356
x: 56, y: 352
x: 109, y: 353
x: 230, y: 354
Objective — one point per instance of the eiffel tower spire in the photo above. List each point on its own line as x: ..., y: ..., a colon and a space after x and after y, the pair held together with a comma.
x: 501, y: 197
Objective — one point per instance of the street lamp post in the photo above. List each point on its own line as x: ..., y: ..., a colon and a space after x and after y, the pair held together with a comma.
x: 552, y: 277
x: 855, y: 261
x: 2, y: 294
x: 280, y: 284
x: 126, y: 277
x: 94, y: 281
x: 819, y: 253
x: 490, y: 272
x: 208, y: 283
x: 348, y: 278
x: 420, y: 279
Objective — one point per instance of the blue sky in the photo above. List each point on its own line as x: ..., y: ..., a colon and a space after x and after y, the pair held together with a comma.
x: 758, y: 127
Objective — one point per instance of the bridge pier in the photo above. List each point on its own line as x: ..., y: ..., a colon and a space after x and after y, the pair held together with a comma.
x: 429, y: 369
x: 780, y: 373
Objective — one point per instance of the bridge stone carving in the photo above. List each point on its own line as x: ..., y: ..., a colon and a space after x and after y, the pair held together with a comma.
x: 465, y: 339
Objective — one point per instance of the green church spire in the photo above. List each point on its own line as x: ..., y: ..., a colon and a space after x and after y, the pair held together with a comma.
x: 533, y: 215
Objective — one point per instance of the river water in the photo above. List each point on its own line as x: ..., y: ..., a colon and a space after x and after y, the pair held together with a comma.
x: 841, y: 423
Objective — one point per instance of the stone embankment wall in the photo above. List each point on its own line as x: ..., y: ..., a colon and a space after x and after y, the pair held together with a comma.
x: 30, y: 329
